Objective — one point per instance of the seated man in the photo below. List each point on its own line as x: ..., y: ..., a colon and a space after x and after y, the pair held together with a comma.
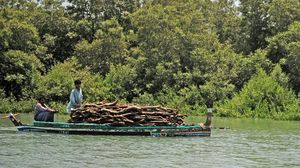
x: 43, y: 112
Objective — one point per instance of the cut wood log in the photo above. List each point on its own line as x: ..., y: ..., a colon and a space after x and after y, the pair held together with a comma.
x: 130, y: 109
x: 113, y: 103
x: 126, y: 115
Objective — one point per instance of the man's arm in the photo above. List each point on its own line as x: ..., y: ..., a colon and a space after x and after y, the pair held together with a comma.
x: 72, y: 99
x: 41, y: 108
x: 50, y: 109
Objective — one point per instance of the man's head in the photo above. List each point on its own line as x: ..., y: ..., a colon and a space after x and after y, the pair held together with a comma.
x: 41, y: 99
x: 77, y: 83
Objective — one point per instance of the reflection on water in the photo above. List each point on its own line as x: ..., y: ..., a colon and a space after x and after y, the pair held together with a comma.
x: 248, y: 143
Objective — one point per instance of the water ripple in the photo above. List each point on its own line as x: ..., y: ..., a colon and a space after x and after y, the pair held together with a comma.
x: 230, y: 148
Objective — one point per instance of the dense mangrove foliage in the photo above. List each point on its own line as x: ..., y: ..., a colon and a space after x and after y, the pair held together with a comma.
x: 241, y: 57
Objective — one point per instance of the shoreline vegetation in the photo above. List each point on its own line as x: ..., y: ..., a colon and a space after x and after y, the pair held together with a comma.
x: 242, y: 60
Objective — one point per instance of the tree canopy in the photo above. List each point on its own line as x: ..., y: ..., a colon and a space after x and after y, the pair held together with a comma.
x: 185, y: 54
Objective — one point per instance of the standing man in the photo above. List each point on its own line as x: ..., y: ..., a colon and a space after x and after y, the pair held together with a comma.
x: 75, y: 97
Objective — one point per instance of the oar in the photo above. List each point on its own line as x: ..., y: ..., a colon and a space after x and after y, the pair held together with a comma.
x: 9, y: 115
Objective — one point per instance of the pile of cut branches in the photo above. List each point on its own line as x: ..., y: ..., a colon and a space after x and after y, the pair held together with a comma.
x: 116, y: 114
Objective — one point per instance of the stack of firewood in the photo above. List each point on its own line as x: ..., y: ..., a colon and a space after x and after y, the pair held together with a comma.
x: 115, y: 114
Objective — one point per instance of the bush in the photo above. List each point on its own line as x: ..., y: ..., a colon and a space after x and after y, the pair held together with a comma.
x: 9, y: 105
x: 122, y: 82
x: 188, y: 101
x: 262, y: 97
x: 18, y: 73
x: 58, y: 83
x: 60, y: 107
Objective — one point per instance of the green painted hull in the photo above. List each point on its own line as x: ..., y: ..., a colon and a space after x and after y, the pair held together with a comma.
x: 102, y: 129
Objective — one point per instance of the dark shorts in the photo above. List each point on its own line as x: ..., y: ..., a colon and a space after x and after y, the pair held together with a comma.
x: 44, y: 116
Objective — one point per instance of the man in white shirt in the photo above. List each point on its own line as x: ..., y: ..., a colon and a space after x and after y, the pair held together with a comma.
x: 76, y: 97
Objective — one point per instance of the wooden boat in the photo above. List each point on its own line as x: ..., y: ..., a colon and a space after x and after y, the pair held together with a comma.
x: 105, y: 129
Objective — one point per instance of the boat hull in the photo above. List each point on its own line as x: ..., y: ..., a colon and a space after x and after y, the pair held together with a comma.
x: 97, y: 129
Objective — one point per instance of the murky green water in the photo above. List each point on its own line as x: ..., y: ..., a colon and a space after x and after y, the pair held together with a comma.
x: 248, y: 143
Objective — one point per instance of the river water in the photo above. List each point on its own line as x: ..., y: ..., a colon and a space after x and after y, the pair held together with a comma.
x: 247, y: 143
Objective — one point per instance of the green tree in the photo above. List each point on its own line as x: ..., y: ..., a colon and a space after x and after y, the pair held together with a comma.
x: 18, y: 73
x: 255, y: 26
x: 284, y: 49
x: 18, y: 4
x: 18, y: 35
x: 187, y: 100
x: 83, y: 28
x: 293, y: 65
x: 166, y: 36
x: 180, y: 50
x: 262, y: 97
x: 219, y: 73
x: 280, y: 76
x: 109, y: 47
x: 55, y: 31
x: 265, y: 18
x: 122, y: 82
x: 96, y: 12
x: 282, y: 14
x: 57, y: 84
x: 225, y: 16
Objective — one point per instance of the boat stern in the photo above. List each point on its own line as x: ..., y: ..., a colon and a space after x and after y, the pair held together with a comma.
x: 13, y: 119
